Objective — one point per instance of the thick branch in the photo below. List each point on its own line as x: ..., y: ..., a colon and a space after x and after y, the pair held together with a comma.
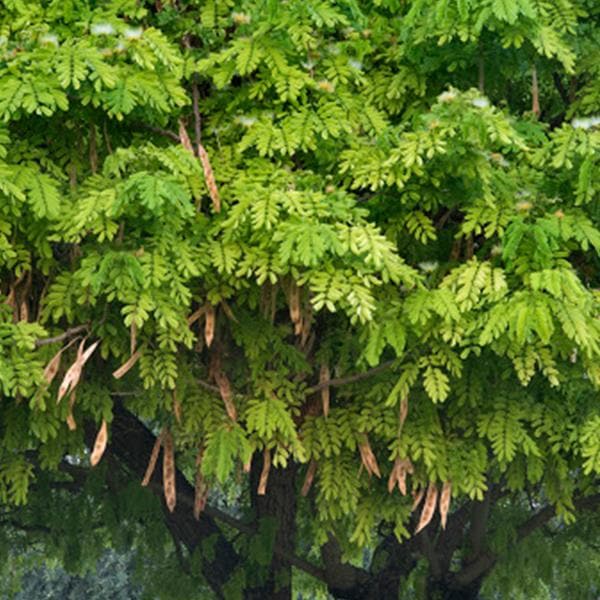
x: 339, y: 381
x: 63, y: 336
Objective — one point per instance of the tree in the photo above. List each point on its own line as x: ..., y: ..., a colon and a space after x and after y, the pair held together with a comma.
x: 302, y: 253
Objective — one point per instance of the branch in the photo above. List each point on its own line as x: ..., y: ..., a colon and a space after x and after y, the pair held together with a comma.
x: 196, y: 109
x: 339, y: 381
x: 160, y: 131
x: 63, y: 336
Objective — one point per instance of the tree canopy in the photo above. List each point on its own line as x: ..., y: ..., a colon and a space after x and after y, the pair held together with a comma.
x: 321, y: 275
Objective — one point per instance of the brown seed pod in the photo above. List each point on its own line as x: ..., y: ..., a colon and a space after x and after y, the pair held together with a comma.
x: 72, y: 376
x: 153, y: 459
x: 52, y: 367
x: 417, y: 497
x: 310, y: 475
x: 128, y: 365
x: 403, y: 411
x: 294, y: 302
x: 176, y: 407
x: 324, y: 377
x: 132, y: 338
x: 264, y: 475
x: 169, y: 471
x: 368, y: 458
x: 445, y: 497
x: 226, y: 395
x: 402, y: 466
x: 428, y: 508
x: 209, y: 325
x: 71, y: 424
x: 209, y: 178
x: 184, y: 138
x: 99, y: 444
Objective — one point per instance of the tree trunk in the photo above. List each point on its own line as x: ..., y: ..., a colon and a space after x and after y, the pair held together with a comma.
x: 278, y: 508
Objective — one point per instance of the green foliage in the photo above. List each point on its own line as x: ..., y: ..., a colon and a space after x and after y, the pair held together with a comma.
x: 402, y: 195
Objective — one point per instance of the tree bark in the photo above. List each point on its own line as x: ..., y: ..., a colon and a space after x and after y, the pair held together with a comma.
x: 277, y: 505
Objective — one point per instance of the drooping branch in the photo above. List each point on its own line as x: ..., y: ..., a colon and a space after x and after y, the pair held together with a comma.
x: 339, y: 381
x: 69, y: 333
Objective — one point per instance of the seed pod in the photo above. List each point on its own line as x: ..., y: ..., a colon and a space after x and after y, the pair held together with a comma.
x: 226, y: 395
x: 209, y: 178
x: 368, y: 458
x: 428, y: 508
x: 402, y: 466
x: 169, y: 471
x: 417, y: 497
x: 310, y: 475
x: 264, y: 475
x: 325, y: 376
x: 99, y: 444
x: 295, y: 307
x: 52, y: 367
x: 403, y: 411
x: 445, y: 503
x: 127, y: 366
x: 209, y: 325
x: 132, y: 337
x: 176, y: 407
x: 153, y: 459
x: 72, y: 376
x: 184, y: 138
x: 71, y: 424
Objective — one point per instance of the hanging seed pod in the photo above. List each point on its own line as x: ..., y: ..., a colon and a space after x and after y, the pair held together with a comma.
x: 428, y: 508
x: 403, y: 412
x: 368, y: 458
x: 209, y: 178
x: 72, y: 376
x: 71, y: 424
x: 169, y: 471
x: 445, y: 503
x: 153, y: 459
x: 264, y: 475
x: 294, y: 302
x: 209, y: 325
x: 128, y: 365
x: 99, y: 444
x: 309, y: 478
x: 417, y: 497
x: 226, y: 395
x: 324, y: 377
x: 184, y: 138
x: 402, y: 467
x: 176, y: 407
x: 132, y: 338
x: 52, y: 367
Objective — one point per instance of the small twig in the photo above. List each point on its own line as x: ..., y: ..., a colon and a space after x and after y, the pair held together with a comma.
x: 339, y: 381
x: 208, y: 386
x: 164, y: 132
x: 63, y: 336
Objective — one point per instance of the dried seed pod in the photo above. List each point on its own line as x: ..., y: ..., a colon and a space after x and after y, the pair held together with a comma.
x: 402, y: 466
x: 99, y: 444
x: 368, y: 458
x: 403, y: 411
x: 52, y: 367
x: 71, y: 424
x: 310, y: 475
x: 294, y: 302
x: 169, y: 471
x: 72, y: 376
x: 128, y: 365
x: 153, y: 459
x: 226, y: 395
x: 264, y: 475
x: 176, y: 407
x: 184, y: 138
x: 417, y: 497
x: 445, y: 502
x: 324, y: 377
x: 209, y: 178
x: 428, y: 508
x: 209, y: 325
x: 24, y: 311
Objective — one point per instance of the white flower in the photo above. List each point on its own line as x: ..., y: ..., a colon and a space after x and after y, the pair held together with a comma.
x: 133, y: 33
x: 355, y: 64
x: 585, y: 123
x: 446, y: 97
x: 102, y: 29
x: 480, y: 102
x: 246, y: 121
x: 428, y: 266
x: 49, y: 38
